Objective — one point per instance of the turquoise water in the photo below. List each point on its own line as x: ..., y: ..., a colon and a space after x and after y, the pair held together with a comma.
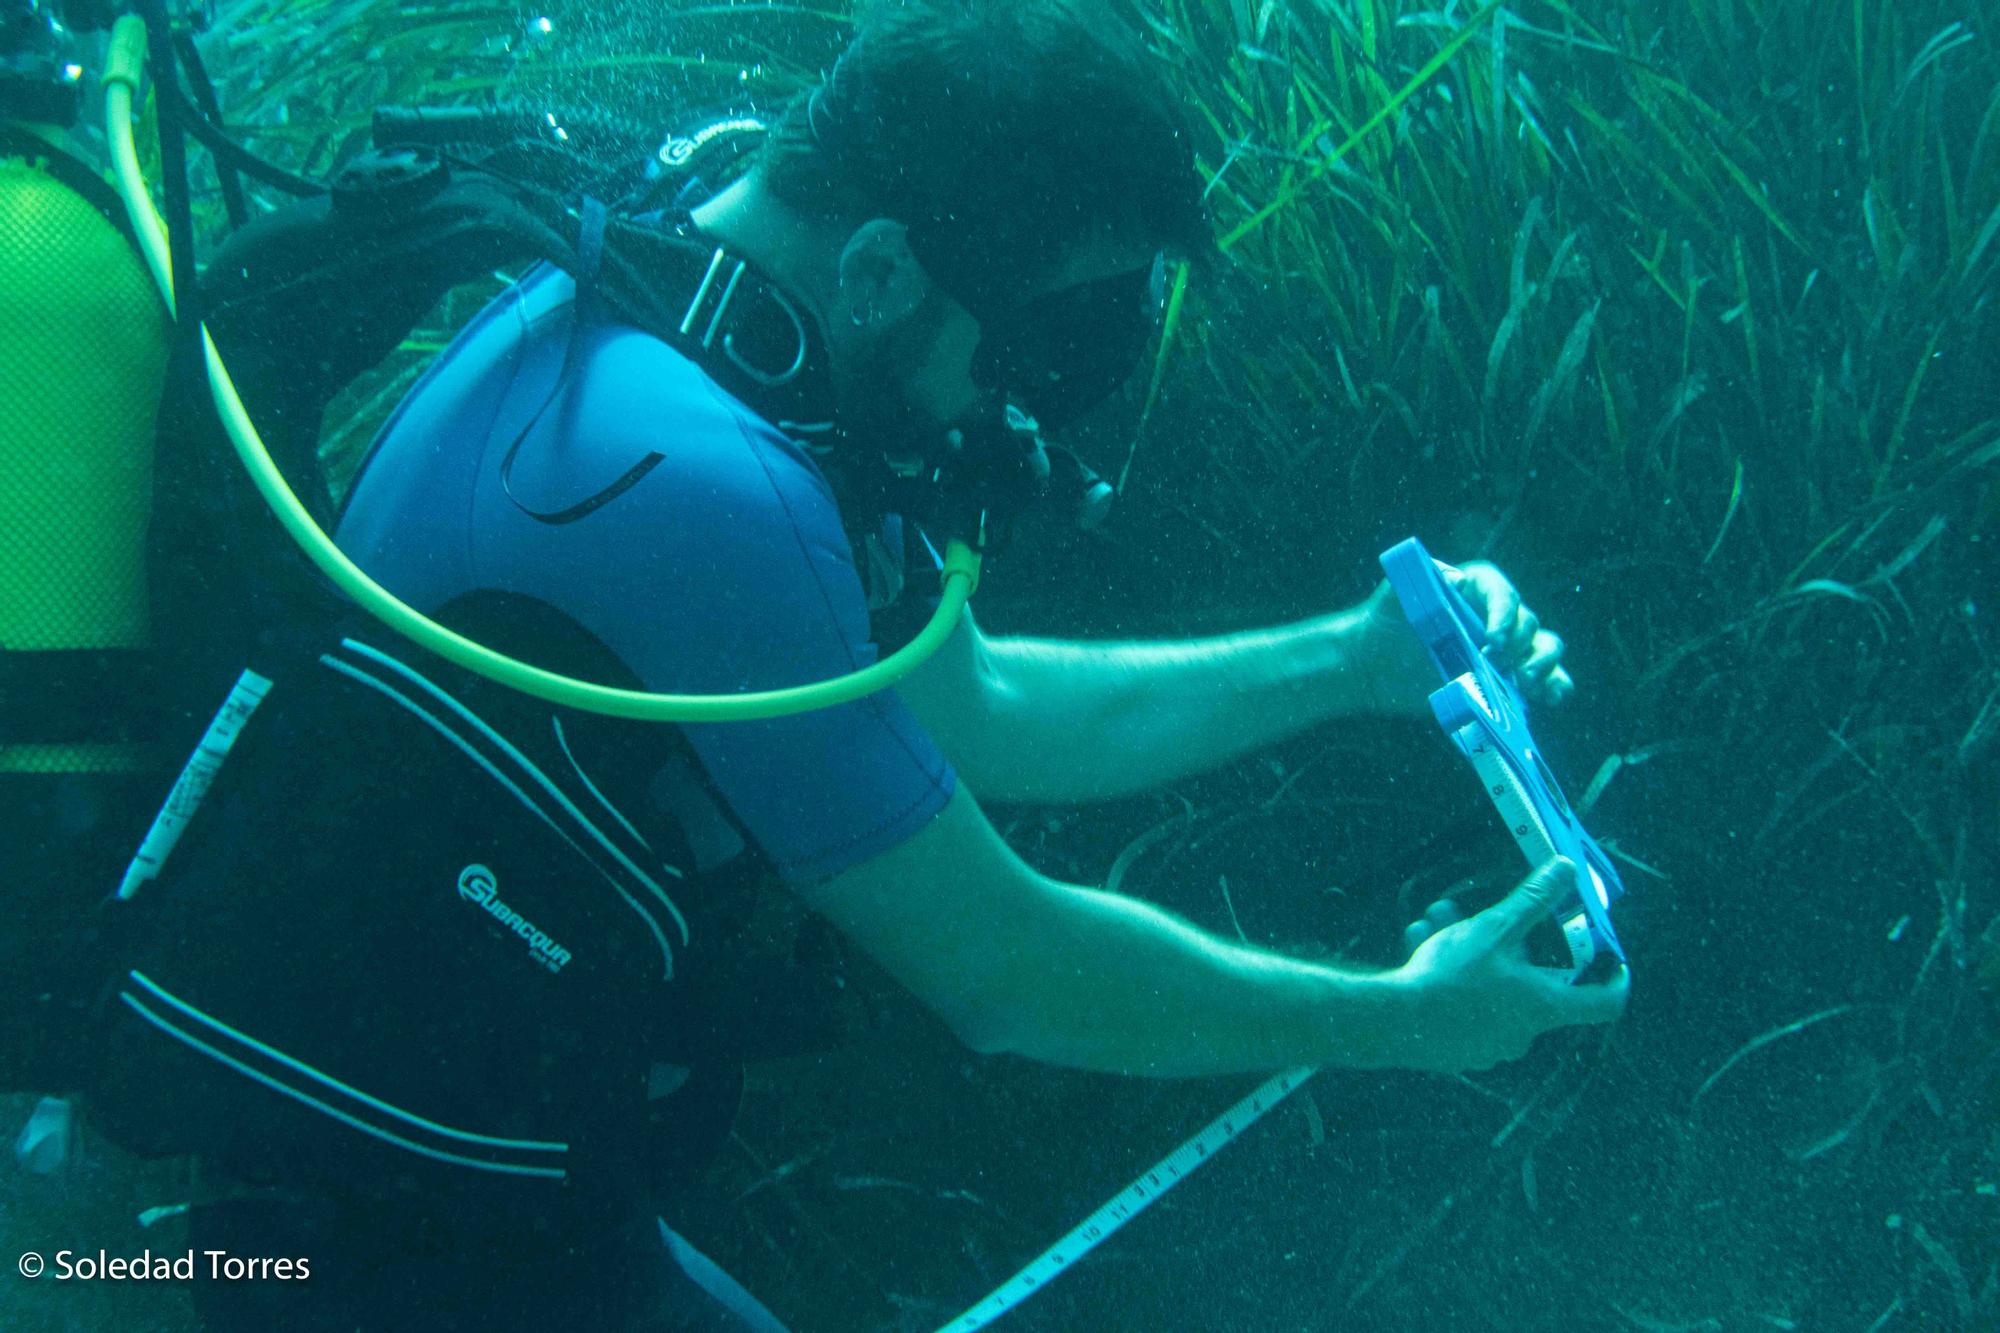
x: 1684, y: 316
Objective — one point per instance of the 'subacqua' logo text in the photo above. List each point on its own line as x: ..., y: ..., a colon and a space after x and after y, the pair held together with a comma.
x: 478, y: 886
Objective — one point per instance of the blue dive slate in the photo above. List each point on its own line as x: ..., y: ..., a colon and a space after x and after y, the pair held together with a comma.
x: 1483, y: 713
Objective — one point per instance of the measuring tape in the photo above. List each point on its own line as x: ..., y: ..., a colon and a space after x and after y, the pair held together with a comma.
x: 1517, y: 809
x: 1134, y: 1199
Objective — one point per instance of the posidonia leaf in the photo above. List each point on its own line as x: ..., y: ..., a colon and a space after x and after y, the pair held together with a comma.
x: 1895, y: 449
x: 1169, y: 327
x: 1944, y: 41
x: 1567, y: 363
x: 1832, y: 588
x: 1764, y: 205
x: 1985, y: 238
x: 1908, y: 556
x: 1729, y: 516
x: 1382, y: 113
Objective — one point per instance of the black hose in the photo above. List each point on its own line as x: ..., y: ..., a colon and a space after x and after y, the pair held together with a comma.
x: 204, y: 97
x: 239, y: 158
x: 592, y: 133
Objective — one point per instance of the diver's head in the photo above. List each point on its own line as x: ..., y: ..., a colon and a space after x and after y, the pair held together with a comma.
x: 1007, y: 176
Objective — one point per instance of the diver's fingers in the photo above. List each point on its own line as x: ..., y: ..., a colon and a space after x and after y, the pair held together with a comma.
x: 1542, y: 674
x: 1510, y: 624
x: 1444, y: 912
x: 1490, y: 595
x: 1532, y: 899
x: 1521, y: 637
x: 1543, y: 657
x: 1503, y: 602
x: 1414, y: 936
x: 1595, y: 1002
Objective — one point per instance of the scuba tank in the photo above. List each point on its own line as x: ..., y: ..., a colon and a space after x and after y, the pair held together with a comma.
x: 84, y: 343
x: 84, y: 348
x: 83, y: 358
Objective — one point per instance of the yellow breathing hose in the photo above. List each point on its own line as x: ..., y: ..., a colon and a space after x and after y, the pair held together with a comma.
x: 960, y: 575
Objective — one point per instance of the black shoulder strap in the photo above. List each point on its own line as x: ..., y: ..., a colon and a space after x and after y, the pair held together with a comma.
x: 710, y: 304
x: 303, y: 300
x: 64, y: 168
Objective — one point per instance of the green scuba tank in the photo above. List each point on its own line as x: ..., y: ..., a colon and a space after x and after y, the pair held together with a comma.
x: 84, y: 343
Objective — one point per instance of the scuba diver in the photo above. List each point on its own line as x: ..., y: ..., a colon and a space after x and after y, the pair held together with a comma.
x: 448, y: 986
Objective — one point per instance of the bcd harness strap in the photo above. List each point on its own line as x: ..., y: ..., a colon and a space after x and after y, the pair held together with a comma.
x: 77, y: 696
x: 53, y: 162
x: 306, y: 299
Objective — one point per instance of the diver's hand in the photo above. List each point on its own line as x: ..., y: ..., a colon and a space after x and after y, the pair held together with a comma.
x: 1515, y: 641
x: 1475, y: 998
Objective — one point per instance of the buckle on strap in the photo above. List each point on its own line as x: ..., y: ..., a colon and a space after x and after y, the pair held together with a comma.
x: 726, y: 272
x: 716, y: 263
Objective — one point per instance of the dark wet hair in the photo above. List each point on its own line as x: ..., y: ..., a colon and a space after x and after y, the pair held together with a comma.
x: 1002, y: 132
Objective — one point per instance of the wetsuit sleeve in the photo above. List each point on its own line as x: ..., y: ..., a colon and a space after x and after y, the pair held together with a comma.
x: 731, y: 572
x: 822, y: 791
x: 599, y: 472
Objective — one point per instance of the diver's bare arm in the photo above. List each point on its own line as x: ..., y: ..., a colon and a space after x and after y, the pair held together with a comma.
x: 1016, y: 963
x: 1056, y: 722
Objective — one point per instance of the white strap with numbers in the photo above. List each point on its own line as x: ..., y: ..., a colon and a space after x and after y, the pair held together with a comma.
x: 194, y: 782
x: 1510, y: 797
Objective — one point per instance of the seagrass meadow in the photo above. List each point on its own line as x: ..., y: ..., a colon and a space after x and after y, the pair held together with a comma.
x: 1684, y: 314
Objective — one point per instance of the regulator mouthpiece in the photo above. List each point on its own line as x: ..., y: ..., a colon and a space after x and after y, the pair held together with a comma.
x: 1077, y: 484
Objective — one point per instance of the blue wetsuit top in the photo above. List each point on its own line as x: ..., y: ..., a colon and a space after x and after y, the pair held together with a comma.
x: 596, y: 470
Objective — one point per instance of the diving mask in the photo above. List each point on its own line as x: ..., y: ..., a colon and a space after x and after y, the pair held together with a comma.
x: 1061, y: 354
